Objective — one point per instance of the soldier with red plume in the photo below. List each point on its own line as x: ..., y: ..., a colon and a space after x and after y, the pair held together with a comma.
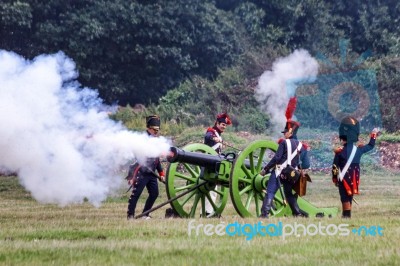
x: 213, y: 139
x: 290, y: 152
x: 213, y: 134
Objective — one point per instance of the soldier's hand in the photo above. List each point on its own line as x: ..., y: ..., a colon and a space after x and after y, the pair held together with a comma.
x: 130, y: 182
x: 263, y: 172
x: 162, y: 178
x: 375, y: 133
x: 216, y: 139
x: 303, y: 172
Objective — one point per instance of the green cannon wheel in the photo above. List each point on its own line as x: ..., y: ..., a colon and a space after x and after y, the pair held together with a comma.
x: 247, y: 186
x: 182, y: 177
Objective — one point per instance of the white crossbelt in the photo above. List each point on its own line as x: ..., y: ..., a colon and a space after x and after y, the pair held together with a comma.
x: 349, y: 161
x: 216, y: 146
x: 290, y: 157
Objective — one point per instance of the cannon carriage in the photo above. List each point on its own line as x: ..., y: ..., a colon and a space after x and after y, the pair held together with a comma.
x: 197, y: 170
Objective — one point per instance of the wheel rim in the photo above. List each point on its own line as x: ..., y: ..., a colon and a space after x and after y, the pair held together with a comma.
x: 182, y: 177
x: 247, y: 187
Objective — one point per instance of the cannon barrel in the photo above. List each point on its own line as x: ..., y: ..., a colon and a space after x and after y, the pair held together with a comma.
x: 195, y: 158
x: 200, y: 159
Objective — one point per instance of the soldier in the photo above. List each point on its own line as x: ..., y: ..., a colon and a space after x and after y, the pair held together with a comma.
x: 146, y: 176
x: 213, y: 134
x: 213, y: 139
x: 346, y: 163
x: 289, y: 152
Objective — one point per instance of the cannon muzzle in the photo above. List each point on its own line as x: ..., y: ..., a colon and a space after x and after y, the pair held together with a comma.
x: 195, y: 158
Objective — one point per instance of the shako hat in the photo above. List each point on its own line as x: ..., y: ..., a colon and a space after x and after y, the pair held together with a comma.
x: 224, y: 118
x: 349, y: 129
x: 153, y: 121
x: 291, y: 126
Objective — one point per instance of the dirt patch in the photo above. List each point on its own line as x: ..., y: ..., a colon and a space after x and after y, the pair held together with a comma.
x: 390, y: 155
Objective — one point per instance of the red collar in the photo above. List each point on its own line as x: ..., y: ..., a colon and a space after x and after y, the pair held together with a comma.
x: 213, y: 129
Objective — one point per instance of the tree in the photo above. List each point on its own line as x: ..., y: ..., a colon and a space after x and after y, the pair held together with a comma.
x: 15, y: 24
x: 131, y: 51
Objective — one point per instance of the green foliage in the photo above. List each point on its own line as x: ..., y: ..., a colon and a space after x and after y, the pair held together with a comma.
x: 16, y: 14
x: 251, y: 119
x: 252, y: 18
x: 8, y: 183
x: 132, y: 52
x: 131, y: 119
x: 393, y: 138
x: 387, y: 69
x: 197, y: 102
x: 191, y: 135
x: 136, y: 120
x: 16, y: 20
x: 124, y: 114
x: 210, y: 52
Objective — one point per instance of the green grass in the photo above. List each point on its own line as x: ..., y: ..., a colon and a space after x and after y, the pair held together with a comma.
x: 36, y: 234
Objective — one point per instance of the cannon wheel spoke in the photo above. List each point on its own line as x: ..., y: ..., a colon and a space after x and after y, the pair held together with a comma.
x: 258, y: 200
x: 183, y: 176
x: 245, y: 194
x: 191, y: 179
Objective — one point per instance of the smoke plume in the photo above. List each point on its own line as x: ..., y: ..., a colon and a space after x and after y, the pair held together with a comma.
x: 57, y: 135
x: 277, y: 85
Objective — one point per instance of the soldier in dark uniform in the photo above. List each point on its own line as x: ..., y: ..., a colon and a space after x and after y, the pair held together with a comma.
x: 213, y: 134
x: 213, y: 139
x: 274, y: 165
x: 146, y: 176
x: 346, y: 163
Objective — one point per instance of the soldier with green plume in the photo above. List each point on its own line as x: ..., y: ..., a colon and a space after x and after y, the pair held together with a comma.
x: 346, y: 163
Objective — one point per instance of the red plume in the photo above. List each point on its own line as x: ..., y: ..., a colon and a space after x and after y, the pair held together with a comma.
x: 291, y: 107
x: 224, y: 117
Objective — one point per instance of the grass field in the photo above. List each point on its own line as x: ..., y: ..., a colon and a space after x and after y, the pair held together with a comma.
x: 35, y: 234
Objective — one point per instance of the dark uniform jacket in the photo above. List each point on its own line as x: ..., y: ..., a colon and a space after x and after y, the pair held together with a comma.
x: 210, y: 134
x: 152, y: 165
x: 351, y: 178
x: 281, y: 156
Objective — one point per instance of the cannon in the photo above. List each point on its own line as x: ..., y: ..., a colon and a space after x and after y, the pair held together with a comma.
x: 196, y: 170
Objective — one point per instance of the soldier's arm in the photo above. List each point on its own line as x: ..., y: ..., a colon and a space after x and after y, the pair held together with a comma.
x: 371, y: 143
x: 160, y: 170
x: 277, y: 157
x: 335, y: 166
x: 304, y: 158
x: 208, y: 137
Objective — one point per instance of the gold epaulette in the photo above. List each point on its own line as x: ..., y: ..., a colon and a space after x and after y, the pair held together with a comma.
x: 335, y: 170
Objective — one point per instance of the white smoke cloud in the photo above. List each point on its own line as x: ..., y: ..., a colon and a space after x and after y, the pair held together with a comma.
x: 57, y: 136
x: 277, y: 85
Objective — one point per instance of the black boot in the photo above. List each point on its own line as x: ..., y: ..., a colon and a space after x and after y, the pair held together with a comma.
x: 346, y: 207
x: 296, y: 211
x: 266, y: 207
x: 346, y: 214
